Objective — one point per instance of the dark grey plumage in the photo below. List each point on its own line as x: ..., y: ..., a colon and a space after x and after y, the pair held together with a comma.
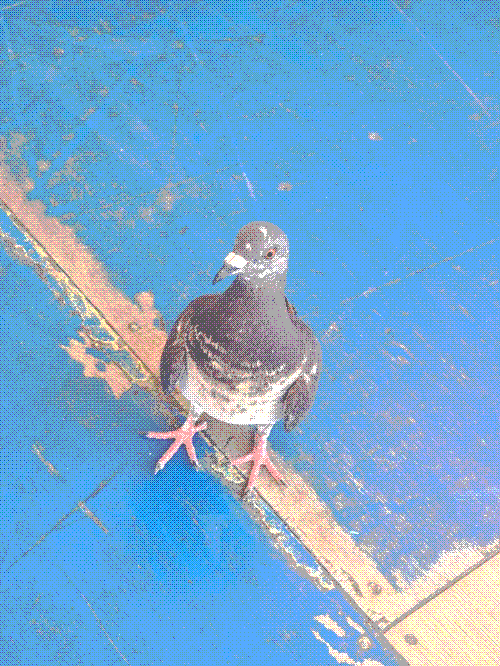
x: 244, y: 356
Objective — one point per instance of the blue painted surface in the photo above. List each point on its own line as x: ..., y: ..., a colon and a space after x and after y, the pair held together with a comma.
x: 403, y: 440
x: 182, y: 572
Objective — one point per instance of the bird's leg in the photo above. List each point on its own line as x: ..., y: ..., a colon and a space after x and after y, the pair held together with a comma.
x: 183, y: 435
x: 260, y: 458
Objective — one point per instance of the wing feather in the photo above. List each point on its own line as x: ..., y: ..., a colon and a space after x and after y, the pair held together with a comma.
x: 173, y: 358
x: 300, y: 396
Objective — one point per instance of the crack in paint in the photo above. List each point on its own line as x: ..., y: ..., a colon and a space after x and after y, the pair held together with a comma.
x: 61, y: 520
x: 92, y: 516
x: 37, y: 450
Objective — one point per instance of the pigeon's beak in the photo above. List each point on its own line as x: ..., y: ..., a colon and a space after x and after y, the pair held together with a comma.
x: 233, y: 263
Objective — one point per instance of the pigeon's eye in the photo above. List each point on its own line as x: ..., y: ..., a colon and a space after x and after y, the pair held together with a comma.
x: 270, y: 253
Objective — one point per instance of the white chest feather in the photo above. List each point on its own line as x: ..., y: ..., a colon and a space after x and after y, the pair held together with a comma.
x: 234, y: 405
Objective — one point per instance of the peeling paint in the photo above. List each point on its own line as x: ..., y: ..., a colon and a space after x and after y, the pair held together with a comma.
x: 25, y: 257
x: 327, y: 622
x: 343, y: 657
x: 279, y: 535
x: 88, y: 286
x: 112, y: 374
x: 450, y: 563
x: 354, y: 625
x: 37, y: 450
x: 92, y: 516
x: 83, y: 278
x: 131, y: 330
x: 281, y: 540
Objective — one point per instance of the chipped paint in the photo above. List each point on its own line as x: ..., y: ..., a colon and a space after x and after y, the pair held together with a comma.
x: 83, y: 278
x: 37, y: 450
x: 112, y: 374
x: 327, y: 622
x: 92, y: 516
x: 283, y: 541
x: 312, y: 523
x: 458, y: 626
x: 460, y: 558
x: 281, y: 538
x: 130, y: 327
x: 354, y: 625
x: 343, y: 657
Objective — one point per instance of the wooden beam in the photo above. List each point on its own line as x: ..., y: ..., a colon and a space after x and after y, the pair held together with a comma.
x: 443, y: 627
x: 132, y: 325
x: 458, y: 627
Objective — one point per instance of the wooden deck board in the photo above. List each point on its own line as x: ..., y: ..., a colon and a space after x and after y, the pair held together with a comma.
x: 393, y: 482
x: 298, y: 505
x: 132, y: 325
x: 459, y: 627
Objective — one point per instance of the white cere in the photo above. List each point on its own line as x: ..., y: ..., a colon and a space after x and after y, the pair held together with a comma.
x: 235, y: 260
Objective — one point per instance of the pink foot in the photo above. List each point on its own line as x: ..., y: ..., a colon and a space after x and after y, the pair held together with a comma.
x: 260, y: 459
x: 183, y: 435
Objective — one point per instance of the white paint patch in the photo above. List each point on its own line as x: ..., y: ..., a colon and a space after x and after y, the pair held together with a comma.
x: 343, y: 657
x: 462, y: 556
x: 264, y: 231
x: 235, y: 260
x: 327, y: 621
x: 354, y: 625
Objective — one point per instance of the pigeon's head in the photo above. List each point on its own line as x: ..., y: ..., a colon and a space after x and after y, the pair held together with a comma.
x: 260, y: 253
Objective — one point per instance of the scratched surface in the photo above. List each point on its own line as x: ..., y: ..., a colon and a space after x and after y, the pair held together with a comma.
x: 155, y: 133
x: 103, y: 562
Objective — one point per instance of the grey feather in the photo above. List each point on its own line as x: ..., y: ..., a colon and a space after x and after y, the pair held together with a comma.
x: 173, y: 358
x: 300, y: 396
x: 245, y: 354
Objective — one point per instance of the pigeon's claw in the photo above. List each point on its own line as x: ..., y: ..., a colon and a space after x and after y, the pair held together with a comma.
x: 183, y: 435
x: 260, y: 458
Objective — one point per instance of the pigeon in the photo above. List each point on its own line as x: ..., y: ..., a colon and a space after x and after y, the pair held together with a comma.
x: 243, y: 356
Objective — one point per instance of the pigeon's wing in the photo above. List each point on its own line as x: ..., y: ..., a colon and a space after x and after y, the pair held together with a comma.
x: 291, y: 309
x: 300, y: 396
x: 173, y: 358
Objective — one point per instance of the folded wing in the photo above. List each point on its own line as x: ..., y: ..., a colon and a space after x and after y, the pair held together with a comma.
x: 300, y: 396
x: 173, y: 358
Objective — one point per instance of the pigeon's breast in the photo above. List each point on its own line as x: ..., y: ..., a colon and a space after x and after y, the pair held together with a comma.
x: 239, y: 345
x: 242, y: 354
x: 246, y: 399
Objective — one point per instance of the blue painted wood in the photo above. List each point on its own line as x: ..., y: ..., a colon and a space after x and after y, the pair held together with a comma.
x: 403, y: 440
x: 168, y: 568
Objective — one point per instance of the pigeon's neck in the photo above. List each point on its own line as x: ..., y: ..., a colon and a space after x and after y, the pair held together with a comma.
x: 275, y: 281
x: 264, y: 292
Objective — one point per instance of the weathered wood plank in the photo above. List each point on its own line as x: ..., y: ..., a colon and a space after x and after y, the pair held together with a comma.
x: 298, y: 505
x: 132, y: 326
x: 459, y: 627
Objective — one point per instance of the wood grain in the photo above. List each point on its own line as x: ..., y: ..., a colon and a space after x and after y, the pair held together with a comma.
x: 459, y: 627
x: 304, y: 513
x: 443, y: 627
